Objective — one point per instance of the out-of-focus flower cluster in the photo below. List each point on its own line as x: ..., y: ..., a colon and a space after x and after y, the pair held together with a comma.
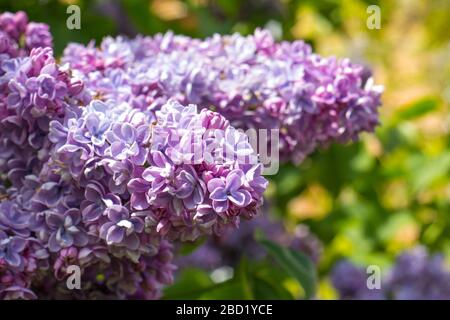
x: 415, y: 275
x: 227, y: 249
x: 253, y: 81
x: 102, y: 184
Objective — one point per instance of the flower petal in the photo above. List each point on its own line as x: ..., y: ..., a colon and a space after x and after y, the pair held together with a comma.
x: 115, y: 235
x: 220, y: 206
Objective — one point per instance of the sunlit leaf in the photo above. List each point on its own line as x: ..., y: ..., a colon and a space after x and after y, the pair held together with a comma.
x: 417, y: 109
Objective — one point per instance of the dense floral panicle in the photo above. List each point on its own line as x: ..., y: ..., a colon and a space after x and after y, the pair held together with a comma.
x: 107, y: 159
x: 253, y: 81
x: 22, y: 256
x: 65, y: 163
x: 18, y: 37
x: 33, y: 91
x: 197, y: 173
x: 117, y: 181
x: 24, y: 246
x: 180, y: 175
x: 415, y: 275
x: 35, y: 252
x: 110, y: 277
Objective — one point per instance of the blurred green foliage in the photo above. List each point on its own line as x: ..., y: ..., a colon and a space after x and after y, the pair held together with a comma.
x: 366, y: 201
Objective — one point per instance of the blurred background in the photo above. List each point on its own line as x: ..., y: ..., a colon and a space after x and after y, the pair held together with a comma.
x: 366, y: 202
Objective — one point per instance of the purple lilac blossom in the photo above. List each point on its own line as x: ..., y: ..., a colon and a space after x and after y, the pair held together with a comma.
x: 105, y: 162
x: 55, y: 176
x: 351, y: 282
x: 252, y: 80
x: 160, y: 198
x: 101, y: 184
x: 14, y: 26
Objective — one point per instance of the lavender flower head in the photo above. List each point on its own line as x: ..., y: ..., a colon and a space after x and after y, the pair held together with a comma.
x: 56, y: 165
x: 13, y: 26
x: 253, y: 81
x: 415, y: 275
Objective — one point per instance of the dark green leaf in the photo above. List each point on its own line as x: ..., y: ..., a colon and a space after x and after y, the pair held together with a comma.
x: 295, y: 263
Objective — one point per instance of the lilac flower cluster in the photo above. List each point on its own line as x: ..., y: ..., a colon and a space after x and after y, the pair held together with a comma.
x: 33, y: 90
x: 253, y: 81
x: 18, y: 37
x: 351, y: 283
x: 106, y: 161
x: 103, y: 184
x: 137, y: 175
x: 415, y: 275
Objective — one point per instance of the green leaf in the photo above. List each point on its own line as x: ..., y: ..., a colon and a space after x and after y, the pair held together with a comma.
x: 430, y: 170
x: 417, y: 109
x: 267, y: 289
x: 244, y: 279
x: 189, y: 247
x: 296, y: 264
x: 195, y: 283
x: 229, y: 290
x: 190, y: 284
